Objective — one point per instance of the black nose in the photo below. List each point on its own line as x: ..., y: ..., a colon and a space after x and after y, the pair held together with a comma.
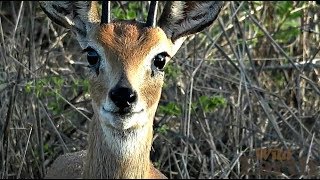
x: 123, y: 97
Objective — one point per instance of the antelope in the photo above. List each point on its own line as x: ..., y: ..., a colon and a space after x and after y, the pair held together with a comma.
x: 126, y: 61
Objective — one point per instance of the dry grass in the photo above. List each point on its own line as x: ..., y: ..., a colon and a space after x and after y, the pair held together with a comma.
x: 267, y: 75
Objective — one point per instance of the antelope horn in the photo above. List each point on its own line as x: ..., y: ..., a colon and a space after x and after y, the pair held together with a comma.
x: 105, y: 17
x: 152, y: 14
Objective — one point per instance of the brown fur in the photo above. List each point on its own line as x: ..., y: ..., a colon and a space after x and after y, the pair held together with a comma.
x: 67, y: 166
x: 126, y: 46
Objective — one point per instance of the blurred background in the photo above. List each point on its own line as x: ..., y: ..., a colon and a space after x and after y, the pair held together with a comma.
x: 249, y: 81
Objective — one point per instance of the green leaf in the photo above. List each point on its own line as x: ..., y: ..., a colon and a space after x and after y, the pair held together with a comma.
x: 28, y: 87
x: 171, y: 109
x: 210, y: 104
x: 163, y: 129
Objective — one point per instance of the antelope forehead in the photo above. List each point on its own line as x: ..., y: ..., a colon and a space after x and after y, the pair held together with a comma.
x: 136, y: 55
x: 131, y: 45
x: 122, y: 35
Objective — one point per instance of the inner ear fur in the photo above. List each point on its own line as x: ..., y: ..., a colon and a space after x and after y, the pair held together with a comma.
x: 182, y: 18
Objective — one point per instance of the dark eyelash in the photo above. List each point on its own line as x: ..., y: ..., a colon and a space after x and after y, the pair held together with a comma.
x: 87, y: 49
x: 166, y: 54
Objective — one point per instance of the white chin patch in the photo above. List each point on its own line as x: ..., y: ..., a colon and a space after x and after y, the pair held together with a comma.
x: 134, y: 120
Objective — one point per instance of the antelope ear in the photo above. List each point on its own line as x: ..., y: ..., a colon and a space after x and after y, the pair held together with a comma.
x: 182, y: 18
x: 79, y: 16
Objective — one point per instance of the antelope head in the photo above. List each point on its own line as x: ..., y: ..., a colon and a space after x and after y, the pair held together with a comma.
x: 126, y: 58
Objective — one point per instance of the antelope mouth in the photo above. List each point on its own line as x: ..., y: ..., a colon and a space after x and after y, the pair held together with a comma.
x: 123, y: 119
x: 126, y: 112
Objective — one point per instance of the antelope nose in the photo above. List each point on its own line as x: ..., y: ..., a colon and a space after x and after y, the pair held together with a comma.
x: 123, y: 97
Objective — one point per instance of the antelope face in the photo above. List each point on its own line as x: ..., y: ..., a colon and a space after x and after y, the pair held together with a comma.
x: 127, y: 63
x: 127, y: 58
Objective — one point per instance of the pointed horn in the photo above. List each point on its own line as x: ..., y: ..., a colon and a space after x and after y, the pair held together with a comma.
x: 152, y: 14
x: 105, y: 17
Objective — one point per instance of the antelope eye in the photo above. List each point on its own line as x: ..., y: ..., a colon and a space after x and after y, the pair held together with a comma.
x: 92, y: 57
x: 159, y: 60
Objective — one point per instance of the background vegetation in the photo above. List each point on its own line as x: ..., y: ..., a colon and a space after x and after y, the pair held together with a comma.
x: 249, y: 81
